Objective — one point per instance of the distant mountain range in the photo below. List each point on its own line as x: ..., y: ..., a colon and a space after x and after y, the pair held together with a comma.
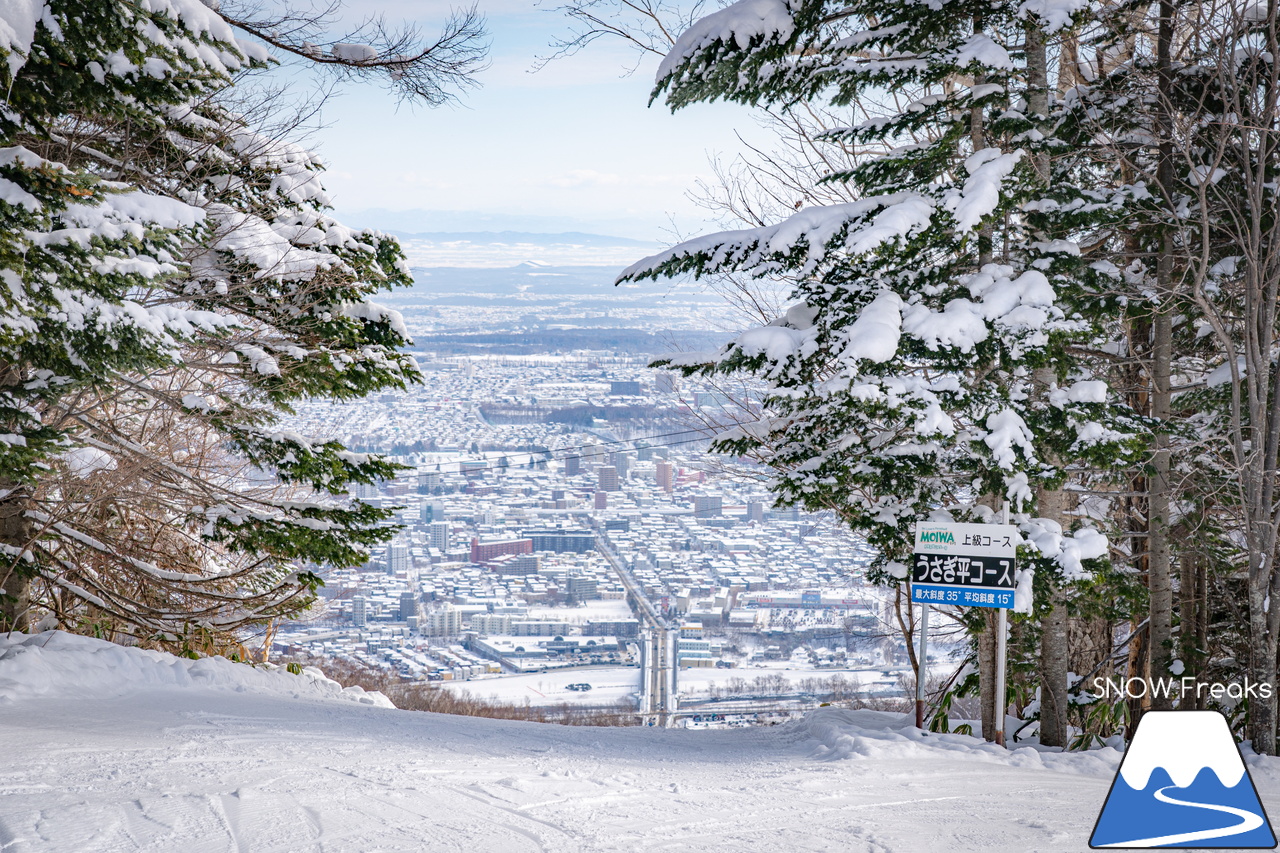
x: 563, y: 238
x: 468, y: 221
x: 505, y: 249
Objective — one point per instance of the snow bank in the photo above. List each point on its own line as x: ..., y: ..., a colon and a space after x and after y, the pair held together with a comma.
x: 845, y: 734
x: 56, y: 664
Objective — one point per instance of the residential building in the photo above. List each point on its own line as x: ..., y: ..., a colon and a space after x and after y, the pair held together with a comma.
x: 443, y: 622
x: 484, y: 552
x: 708, y: 506
x: 581, y: 587
x: 559, y: 541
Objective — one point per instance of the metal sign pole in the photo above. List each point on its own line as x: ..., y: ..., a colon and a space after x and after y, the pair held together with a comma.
x: 922, y: 670
x: 1002, y: 626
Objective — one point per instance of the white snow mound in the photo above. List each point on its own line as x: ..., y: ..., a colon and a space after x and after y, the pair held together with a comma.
x: 57, y: 664
x: 862, y: 734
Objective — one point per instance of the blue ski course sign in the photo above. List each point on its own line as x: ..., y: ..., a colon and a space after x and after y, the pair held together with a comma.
x: 969, y: 565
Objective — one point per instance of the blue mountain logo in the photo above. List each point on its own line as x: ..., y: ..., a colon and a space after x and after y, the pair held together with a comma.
x: 1182, y: 783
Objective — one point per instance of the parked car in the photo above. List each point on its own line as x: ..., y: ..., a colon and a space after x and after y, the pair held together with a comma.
x: 579, y: 686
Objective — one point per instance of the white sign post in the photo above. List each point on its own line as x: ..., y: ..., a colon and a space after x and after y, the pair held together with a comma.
x: 967, y: 565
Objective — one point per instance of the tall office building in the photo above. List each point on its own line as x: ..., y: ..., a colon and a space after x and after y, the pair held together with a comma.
x: 602, y: 500
x: 607, y: 478
x: 572, y: 466
x: 408, y: 605
x: 439, y: 531
x: 359, y: 611
x: 666, y: 475
x: 397, y: 558
x: 621, y: 461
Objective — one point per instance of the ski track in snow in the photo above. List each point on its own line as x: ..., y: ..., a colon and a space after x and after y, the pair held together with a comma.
x: 204, y: 770
x: 108, y: 750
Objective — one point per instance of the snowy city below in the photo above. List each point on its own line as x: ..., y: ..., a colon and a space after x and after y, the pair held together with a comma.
x: 560, y: 508
x: 639, y: 425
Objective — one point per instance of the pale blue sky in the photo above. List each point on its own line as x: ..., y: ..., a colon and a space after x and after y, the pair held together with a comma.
x: 573, y: 146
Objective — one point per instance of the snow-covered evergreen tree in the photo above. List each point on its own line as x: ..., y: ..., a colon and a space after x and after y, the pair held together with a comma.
x: 928, y: 368
x: 1173, y: 127
x: 172, y: 283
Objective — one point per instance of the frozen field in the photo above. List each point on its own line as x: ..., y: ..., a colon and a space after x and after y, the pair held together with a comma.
x: 609, y: 685
x: 612, y: 684
x: 583, y: 612
x: 107, y: 749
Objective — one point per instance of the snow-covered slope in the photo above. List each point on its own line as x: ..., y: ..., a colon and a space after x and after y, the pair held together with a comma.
x: 108, y: 749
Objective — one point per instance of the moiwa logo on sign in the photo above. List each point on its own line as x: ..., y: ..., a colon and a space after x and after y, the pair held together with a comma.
x: 1182, y: 783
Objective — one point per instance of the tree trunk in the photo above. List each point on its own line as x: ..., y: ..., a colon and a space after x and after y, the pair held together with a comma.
x: 1089, y: 643
x: 1160, y: 556
x: 1258, y: 440
x: 15, y: 535
x: 1054, y: 729
x: 987, y: 676
x: 1137, y: 668
x: 1262, y: 670
x: 1192, y: 623
x: 1050, y: 503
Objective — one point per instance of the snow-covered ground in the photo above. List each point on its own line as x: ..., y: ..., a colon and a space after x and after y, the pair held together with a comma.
x: 695, y: 681
x: 587, y: 610
x: 106, y: 749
